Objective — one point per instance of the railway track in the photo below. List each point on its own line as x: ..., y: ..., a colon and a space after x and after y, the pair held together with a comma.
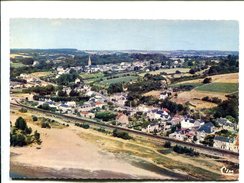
x: 200, y: 148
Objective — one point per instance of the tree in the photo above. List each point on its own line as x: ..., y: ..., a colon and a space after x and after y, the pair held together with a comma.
x: 207, y: 80
x: 20, y: 123
x: 195, y: 138
x: 228, y: 108
x: 37, y: 137
x: 177, y: 72
x: 190, y: 63
x: 34, y: 118
x: 62, y: 93
x: 73, y: 93
x: 45, y: 125
x: 120, y: 134
x: 192, y: 71
x: 23, y: 110
x: 167, y: 144
x: 105, y: 116
x: 115, y: 88
x: 28, y: 130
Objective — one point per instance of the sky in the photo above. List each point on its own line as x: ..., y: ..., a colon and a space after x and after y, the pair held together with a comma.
x: 91, y: 34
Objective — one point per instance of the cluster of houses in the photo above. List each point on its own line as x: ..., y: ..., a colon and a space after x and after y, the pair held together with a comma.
x: 31, y: 81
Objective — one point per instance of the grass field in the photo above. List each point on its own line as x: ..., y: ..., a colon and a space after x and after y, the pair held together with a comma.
x: 221, y: 78
x: 219, y: 87
x: 16, y: 65
x: 125, y: 79
x: 17, y: 55
x: 40, y: 74
x: 187, y: 84
x: 92, y: 75
x: 168, y: 71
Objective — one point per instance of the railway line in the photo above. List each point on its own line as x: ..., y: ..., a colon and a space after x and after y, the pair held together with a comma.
x: 200, y: 148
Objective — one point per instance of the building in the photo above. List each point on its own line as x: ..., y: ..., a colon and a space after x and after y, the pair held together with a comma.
x: 153, y: 128
x: 226, y: 124
x: 205, y: 130
x: 77, y: 81
x: 176, y: 119
x: 163, y: 95
x: 158, y: 115
x: 71, y: 104
x: 187, y: 123
x: 122, y: 118
x: 87, y: 114
x: 178, y: 135
x: 225, y: 143
x: 89, y: 61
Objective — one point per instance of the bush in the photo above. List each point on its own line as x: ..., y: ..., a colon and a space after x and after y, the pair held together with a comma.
x: 192, y: 71
x: 207, y: 80
x: 185, y: 150
x: 105, y: 116
x: 28, y: 130
x: 120, y: 134
x: 34, y: 118
x: 167, y: 144
x: 45, y: 125
x: 23, y: 110
x: 84, y: 125
x: 20, y: 123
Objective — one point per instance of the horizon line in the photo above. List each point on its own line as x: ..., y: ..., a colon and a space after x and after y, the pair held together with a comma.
x: 118, y: 49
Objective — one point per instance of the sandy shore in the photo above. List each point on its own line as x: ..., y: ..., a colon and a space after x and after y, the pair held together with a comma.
x: 63, y: 152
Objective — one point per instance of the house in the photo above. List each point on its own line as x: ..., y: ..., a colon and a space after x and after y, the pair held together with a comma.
x: 87, y: 106
x: 158, y: 114
x: 87, y: 114
x: 144, y: 108
x: 77, y: 81
x: 225, y: 143
x: 226, y: 124
x: 71, y: 104
x: 152, y: 128
x: 178, y: 135
x: 187, y: 123
x: 119, y: 98
x: 99, y: 104
x: 176, y: 119
x: 163, y: 95
x: 205, y: 130
x: 64, y: 108
x: 122, y: 118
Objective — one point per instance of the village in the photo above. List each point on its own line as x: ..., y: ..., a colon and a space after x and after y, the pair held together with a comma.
x: 112, y: 109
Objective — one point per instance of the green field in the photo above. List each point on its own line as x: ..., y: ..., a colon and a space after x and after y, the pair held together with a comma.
x: 92, y: 75
x: 16, y: 65
x: 125, y: 79
x: 186, y: 84
x: 219, y: 87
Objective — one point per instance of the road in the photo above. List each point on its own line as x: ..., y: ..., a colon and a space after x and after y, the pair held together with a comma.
x: 230, y: 155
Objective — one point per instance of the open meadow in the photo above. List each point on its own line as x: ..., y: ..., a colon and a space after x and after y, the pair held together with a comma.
x: 220, y: 86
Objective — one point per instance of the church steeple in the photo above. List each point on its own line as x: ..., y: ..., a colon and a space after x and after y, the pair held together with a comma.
x: 89, y: 61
